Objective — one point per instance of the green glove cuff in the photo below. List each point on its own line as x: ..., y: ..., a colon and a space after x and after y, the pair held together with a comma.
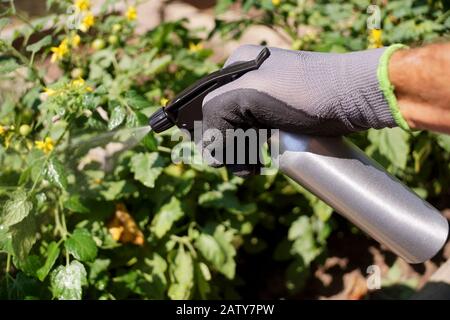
x: 387, y: 88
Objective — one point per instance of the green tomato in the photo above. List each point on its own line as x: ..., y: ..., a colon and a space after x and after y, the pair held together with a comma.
x: 98, y: 44
x: 24, y: 130
x: 116, y: 27
x: 77, y: 73
x: 113, y: 39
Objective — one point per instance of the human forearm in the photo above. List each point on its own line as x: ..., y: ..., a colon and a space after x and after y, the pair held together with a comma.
x: 421, y: 78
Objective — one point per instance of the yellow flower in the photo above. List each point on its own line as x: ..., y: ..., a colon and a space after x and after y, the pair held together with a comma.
x: 78, y: 83
x: 131, y: 13
x: 83, y: 5
x: 164, y: 101
x: 75, y: 40
x: 45, y: 145
x: 375, y: 38
x: 195, y: 47
x: 88, y: 21
x: 2, y: 130
x: 60, y: 51
x: 276, y: 2
x: 49, y: 92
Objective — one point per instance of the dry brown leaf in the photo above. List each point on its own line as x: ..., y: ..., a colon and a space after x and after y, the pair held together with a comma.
x: 123, y: 228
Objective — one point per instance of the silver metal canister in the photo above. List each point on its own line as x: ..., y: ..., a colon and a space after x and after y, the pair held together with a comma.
x: 361, y: 190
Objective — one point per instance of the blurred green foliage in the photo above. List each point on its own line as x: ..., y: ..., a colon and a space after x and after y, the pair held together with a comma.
x: 147, y: 228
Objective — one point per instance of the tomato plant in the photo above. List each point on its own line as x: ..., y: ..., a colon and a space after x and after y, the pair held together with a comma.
x: 145, y: 227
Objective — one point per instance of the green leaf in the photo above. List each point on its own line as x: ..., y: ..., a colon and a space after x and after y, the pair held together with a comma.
x: 30, y: 265
x: 135, y: 100
x: 74, y: 204
x: 182, y: 276
x: 222, y: 6
x: 299, y: 227
x: 393, y: 144
x: 225, y: 200
x: 8, y: 65
x: 118, y: 114
x: 99, y: 278
x: 224, y: 238
x: 5, y: 239
x: 16, y: 209
x: 202, y: 276
x: 158, y: 64
x: 444, y: 141
x: 157, y: 275
x: 56, y: 174
x: 67, y: 281
x: 304, y: 245
x: 81, y: 245
x: 146, y: 168
x: 167, y: 215
x: 211, y: 250
x: 321, y: 210
x: 35, y: 47
x: 23, y: 236
x: 52, y: 254
x: 113, y: 190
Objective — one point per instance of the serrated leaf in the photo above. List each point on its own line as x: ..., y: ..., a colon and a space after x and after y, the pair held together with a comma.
x: 23, y: 236
x: 16, y: 209
x: 135, y: 100
x: 81, y: 245
x: 118, y: 114
x: 210, y: 249
x: 182, y: 272
x: 393, y: 144
x: 56, y: 173
x: 167, y: 215
x: 224, y: 238
x: 146, y: 168
x: 35, y: 47
x: 52, y: 254
x: 67, y: 281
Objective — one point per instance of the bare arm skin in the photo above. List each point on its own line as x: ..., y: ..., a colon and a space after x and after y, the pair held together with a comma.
x: 421, y: 78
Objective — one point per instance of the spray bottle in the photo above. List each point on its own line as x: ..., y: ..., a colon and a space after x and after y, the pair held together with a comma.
x: 333, y: 169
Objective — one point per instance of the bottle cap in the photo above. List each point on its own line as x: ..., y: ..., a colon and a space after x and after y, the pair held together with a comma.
x: 159, y: 121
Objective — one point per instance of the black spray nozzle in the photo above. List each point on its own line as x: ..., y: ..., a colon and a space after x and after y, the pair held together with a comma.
x: 186, y: 107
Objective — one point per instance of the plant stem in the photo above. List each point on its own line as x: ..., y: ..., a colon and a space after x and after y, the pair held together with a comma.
x: 8, y: 263
x: 164, y: 149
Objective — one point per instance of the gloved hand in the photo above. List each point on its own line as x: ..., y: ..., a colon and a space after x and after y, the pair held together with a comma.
x: 303, y: 92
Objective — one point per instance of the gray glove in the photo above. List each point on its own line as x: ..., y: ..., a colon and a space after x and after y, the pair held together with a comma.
x: 303, y: 92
